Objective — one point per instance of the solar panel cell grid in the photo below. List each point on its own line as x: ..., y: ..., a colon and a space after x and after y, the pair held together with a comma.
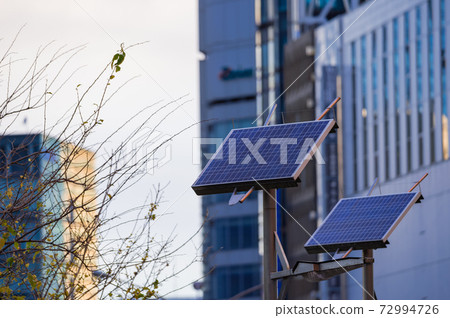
x: 356, y: 222
x: 262, y: 153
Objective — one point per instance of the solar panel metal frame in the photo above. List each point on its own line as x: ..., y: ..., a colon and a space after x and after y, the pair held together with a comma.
x: 270, y: 183
x: 360, y: 245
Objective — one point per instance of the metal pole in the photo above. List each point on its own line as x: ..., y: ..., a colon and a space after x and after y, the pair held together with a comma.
x: 267, y: 122
x: 368, y: 292
x: 417, y: 183
x: 269, y: 257
x: 329, y: 108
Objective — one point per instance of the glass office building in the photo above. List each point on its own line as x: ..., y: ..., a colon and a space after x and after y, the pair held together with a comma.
x: 232, y: 264
x: 55, y: 216
x: 391, y: 61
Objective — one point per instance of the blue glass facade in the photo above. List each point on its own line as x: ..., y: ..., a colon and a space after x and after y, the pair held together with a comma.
x: 234, y: 279
x: 411, y: 74
x: 24, y: 163
x: 232, y: 263
x: 236, y: 233
x: 14, y: 167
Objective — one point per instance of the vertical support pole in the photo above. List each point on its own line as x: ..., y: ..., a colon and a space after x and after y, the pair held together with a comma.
x: 269, y: 227
x: 269, y: 257
x: 368, y: 292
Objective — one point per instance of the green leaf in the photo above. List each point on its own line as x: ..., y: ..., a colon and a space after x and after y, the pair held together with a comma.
x: 111, y: 77
x: 117, y: 68
x: 9, y: 261
x: 120, y: 59
x: 11, y: 230
x: 16, y: 245
x: 115, y: 57
x: 2, y: 242
x: 32, y: 280
x: 34, y: 256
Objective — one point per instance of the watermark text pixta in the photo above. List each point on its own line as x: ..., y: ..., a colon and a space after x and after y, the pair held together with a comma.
x: 243, y: 151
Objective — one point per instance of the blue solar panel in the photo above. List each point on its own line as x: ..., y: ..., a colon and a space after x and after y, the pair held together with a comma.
x: 272, y: 155
x: 361, y: 223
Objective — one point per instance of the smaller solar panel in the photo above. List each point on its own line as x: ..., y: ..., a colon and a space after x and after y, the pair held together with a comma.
x: 267, y: 156
x: 361, y: 223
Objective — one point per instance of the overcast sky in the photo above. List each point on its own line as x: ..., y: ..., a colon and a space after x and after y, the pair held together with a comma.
x: 168, y: 69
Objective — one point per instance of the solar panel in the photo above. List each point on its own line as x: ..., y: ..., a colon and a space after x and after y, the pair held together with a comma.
x: 361, y: 223
x: 274, y: 156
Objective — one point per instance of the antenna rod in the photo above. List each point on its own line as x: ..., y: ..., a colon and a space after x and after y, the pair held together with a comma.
x: 266, y: 123
x: 348, y: 252
x: 329, y: 108
x: 247, y: 195
x: 417, y: 183
x: 372, y: 187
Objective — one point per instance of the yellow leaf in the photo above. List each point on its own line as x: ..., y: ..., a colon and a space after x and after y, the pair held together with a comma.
x: 2, y: 242
x: 32, y: 280
x: 9, y: 193
x: 5, y: 290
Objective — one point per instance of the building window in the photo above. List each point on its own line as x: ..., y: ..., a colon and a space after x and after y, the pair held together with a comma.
x: 444, y: 115
x: 408, y: 92
x: 264, y: 54
x: 396, y: 96
x: 431, y: 80
x: 419, y: 82
x: 386, y: 103
x: 236, y: 233
x: 355, y: 116
x: 19, y: 164
x: 228, y: 281
x: 375, y: 99
x: 264, y: 11
x: 364, y: 107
